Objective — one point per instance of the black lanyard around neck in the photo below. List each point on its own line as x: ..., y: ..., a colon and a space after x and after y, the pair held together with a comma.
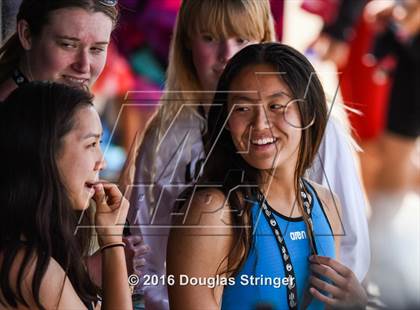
x: 284, y: 253
x: 19, y: 77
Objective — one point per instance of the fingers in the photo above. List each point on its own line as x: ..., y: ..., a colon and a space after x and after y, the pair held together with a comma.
x: 351, y: 297
x: 133, y: 240
x: 325, y: 299
x: 99, y: 196
x: 327, y: 287
x: 135, y: 246
x: 138, y: 249
x: 107, y: 195
x: 135, y: 251
x: 330, y: 273
x: 111, y: 211
x: 334, y: 264
x: 114, y: 196
x: 345, y: 288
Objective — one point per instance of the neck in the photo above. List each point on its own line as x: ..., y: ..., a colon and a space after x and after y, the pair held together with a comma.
x: 25, y: 69
x: 278, y: 185
x: 279, y: 190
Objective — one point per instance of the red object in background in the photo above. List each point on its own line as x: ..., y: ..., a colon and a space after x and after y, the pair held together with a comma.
x: 326, y: 9
x: 117, y: 77
x: 361, y: 89
x: 277, y: 9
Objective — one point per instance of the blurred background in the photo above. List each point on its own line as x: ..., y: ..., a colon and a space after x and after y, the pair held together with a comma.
x: 367, y: 55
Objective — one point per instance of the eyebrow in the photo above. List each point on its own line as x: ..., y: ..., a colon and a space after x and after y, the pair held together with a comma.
x: 78, y: 40
x: 279, y: 94
x: 272, y: 96
x: 244, y: 98
x: 92, y: 135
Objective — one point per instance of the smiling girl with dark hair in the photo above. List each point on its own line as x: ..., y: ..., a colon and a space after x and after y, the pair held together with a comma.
x: 50, y: 135
x: 252, y: 214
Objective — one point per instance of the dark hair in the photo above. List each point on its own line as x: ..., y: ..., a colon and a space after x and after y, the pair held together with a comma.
x: 36, y: 212
x: 37, y: 13
x: 226, y: 166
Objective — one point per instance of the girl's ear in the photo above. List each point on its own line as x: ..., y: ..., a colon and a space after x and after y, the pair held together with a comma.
x: 24, y: 34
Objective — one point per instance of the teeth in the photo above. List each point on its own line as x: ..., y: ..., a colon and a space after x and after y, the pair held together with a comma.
x: 90, y: 184
x: 264, y: 141
x: 74, y: 80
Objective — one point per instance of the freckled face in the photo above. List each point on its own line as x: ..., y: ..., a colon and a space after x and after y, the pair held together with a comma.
x: 71, y: 48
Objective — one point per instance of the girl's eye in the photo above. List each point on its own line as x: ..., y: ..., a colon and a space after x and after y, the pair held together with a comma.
x: 241, y: 41
x: 67, y: 45
x: 97, y: 50
x: 95, y: 144
x: 241, y: 109
x: 276, y: 106
x: 207, y: 38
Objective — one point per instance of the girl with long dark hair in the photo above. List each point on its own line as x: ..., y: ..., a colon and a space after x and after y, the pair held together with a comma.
x: 253, y: 229
x: 50, y: 135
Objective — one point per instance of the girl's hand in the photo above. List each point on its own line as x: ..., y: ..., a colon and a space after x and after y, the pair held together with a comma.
x: 111, y: 212
x: 135, y: 252
x: 345, y: 291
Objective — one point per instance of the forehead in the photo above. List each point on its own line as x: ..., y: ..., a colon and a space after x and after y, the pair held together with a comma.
x: 86, y: 120
x: 258, y: 81
x: 79, y: 23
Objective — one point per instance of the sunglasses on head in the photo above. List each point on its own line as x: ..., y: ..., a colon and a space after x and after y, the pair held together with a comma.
x: 108, y: 2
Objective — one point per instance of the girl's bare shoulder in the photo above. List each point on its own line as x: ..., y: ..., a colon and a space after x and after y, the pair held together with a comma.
x: 330, y: 204
x: 55, y: 289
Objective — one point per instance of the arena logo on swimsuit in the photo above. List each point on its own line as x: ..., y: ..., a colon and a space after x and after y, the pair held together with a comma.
x: 298, y: 235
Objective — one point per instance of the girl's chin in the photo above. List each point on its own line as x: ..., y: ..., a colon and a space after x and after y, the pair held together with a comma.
x: 82, y: 203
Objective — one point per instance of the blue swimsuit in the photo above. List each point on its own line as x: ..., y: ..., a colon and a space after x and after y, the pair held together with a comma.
x: 259, y: 281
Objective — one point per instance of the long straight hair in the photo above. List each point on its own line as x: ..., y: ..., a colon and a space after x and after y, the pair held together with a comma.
x: 36, y: 213
x: 223, y: 158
